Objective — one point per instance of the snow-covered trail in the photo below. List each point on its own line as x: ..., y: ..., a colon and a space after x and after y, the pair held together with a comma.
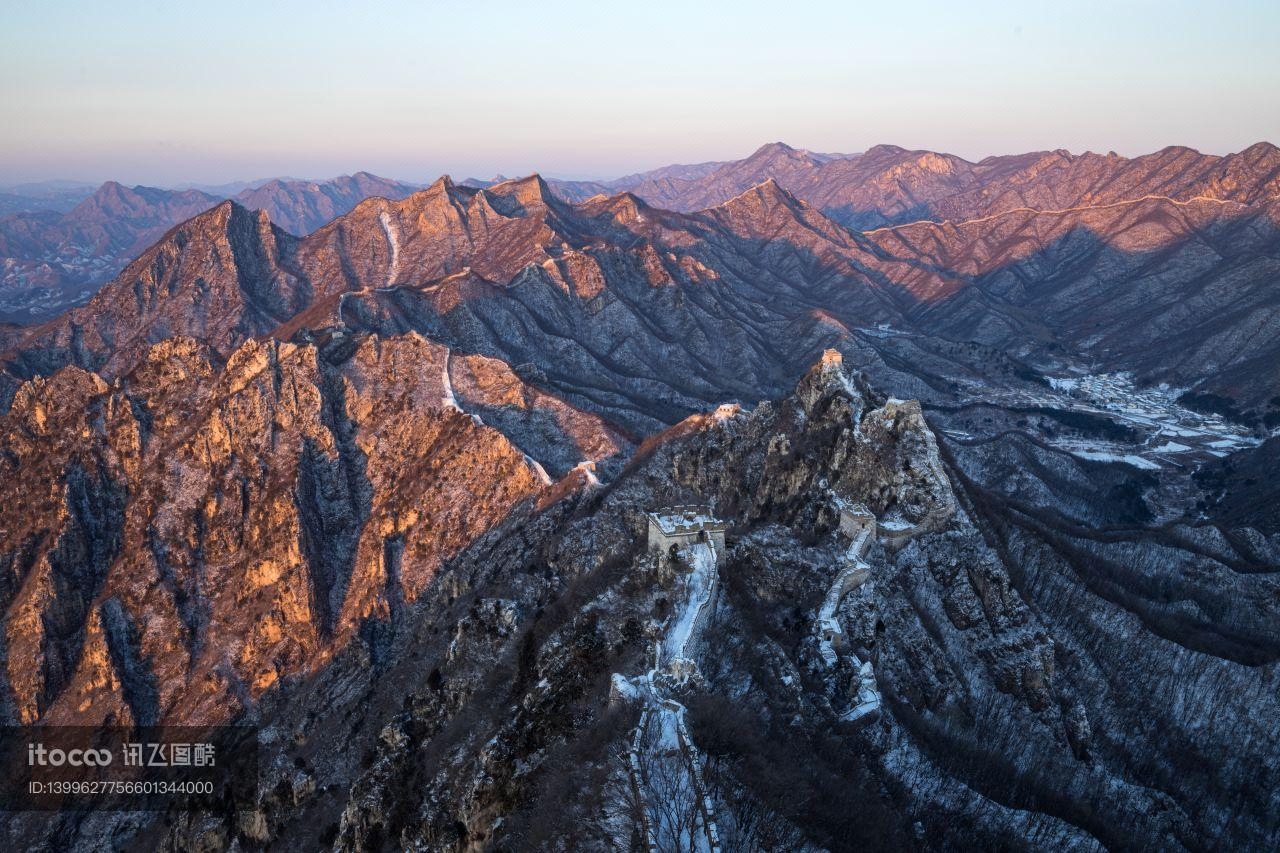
x: 393, y: 269
x: 678, y: 805
x: 538, y: 470
x: 449, y: 400
x: 846, y: 581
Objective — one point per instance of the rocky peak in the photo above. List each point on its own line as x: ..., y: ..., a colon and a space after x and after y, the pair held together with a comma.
x: 115, y: 203
x: 216, y: 276
x: 770, y: 149
x: 624, y: 208
x: 440, y: 191
x: 1260, y: 153
x: 522, y: 195
x: 776, y: 160
x: 444, y: 183
x: 772, y: 154
x: 882, y: 152
x: 1255, y: 172
x: 829, y: 378
x: 762, y: 198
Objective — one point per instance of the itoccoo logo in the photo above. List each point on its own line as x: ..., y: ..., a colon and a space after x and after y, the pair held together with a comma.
x: 39, y: 756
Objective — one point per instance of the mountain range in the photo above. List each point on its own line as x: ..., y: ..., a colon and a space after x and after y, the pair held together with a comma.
x: 1120, y: 283
x: 59, y: 196
x: 381, y: 490
x: 888, y: 185
x: 53, y: 261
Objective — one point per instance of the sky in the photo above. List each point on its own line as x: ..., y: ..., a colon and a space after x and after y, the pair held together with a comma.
x: 165, y: 93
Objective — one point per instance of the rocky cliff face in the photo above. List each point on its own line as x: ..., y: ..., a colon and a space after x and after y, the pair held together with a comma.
x: 245, y: 519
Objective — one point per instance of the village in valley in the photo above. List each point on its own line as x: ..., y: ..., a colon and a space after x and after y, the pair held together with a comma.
x: 1168, y: 433
x: 1107, y: 417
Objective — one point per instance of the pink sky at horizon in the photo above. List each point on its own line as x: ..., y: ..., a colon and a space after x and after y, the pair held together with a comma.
x: 152, y: 93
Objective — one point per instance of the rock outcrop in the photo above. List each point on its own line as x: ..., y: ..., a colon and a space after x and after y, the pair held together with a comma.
x: 244, y: 520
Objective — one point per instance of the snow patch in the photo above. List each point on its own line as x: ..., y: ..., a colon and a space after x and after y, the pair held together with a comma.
x: 622, y: 686
x: 538, y: 469
x: 448, y: 401
x: 1129, y: 458
x: 388, y: 227
x: 1171, y: 447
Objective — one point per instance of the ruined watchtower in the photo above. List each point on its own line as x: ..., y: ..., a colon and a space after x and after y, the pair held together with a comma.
x: 896, y: 532
x: 855, y: 519
x: 685, y: 525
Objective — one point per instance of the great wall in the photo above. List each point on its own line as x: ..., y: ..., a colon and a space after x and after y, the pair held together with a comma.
x: 689, y: 543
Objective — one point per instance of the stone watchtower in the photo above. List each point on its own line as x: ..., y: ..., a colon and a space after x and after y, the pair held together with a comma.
x: 855, y: 519
x: 685, y: 525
